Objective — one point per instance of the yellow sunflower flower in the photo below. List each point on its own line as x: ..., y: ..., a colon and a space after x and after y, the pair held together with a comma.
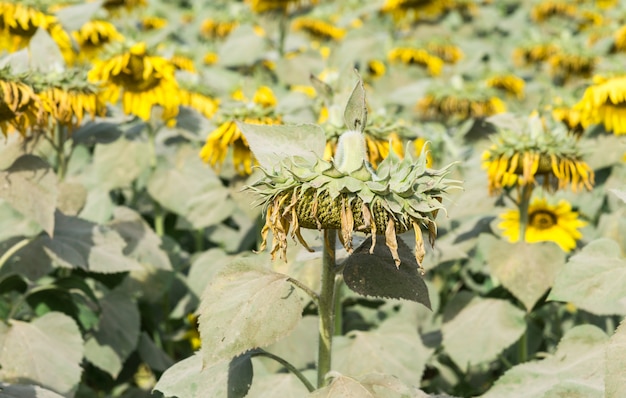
x: 569, y: 116
x: 152, y: 23
x: 460, y: 105
x: 210, y: 58
x: 261, y: 6
x: 421, y: 145
x: 318, y: 28
x: 182, y: 62
x: 309, y: 91
x: 565, y: 65
x: 418, y: 56
x: 116, y: 6
x: 619, y: 39
x: 532, y: 54
x: 427, y: 9
x: 511, y: 84
x: 546, y: 223
x: 520, y: 158
x: 257, y: 111
x: 141, y: 79
x: 376, y: 68
x: 202, y: 103
x: 213, y: 29
x: 18, y: 24
x: 447, y: 52
x: 550, y: 8
x: 605, y: 102
x: 93, y: 36
x: 21, y: 109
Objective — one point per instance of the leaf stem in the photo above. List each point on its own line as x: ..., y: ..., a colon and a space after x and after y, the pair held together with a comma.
x: 314, y: 296
x: 262, y: 353
x: 326, y: 307
x: 14, y: 249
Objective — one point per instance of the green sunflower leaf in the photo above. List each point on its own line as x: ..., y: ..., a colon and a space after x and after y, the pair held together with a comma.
x: 245, y: 307
x: 615, y: 378
x: 47, y: 351
x: 189, y: 378
x: 527, y: 271
x: 376, y: 274
x: 593, y: 279
x: 576, y: 369
x: 355, y: 114
x: 271, y: 144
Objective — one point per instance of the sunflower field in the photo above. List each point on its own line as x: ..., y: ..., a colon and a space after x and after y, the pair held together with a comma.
x: 312, y: 198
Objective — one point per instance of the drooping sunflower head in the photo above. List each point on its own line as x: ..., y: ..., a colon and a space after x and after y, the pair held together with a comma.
x: 402, y: 195
x: 546, y: 223
x: 416, y: 10
x: 199, y: 98
x: 567, y: 114
x: 93, y: 36
x: 21, y: 109
x: 570, y: 62
x: 509, y: 83
x: 550, y: 8
x: 605, y: 102
x: 460, y: 102
x: 227, y: 136
x: 318, y: 28
x: 143, y: 80
x: 217, y: 28
x: 535, y: 154
x: 533, y: 52
x: 417, y: 56
x: 68, y: 98
x: 152, y: 23
x: 117, y: 6
x: 445, y: 50
x: 284, y: 6
x: 183, y: 62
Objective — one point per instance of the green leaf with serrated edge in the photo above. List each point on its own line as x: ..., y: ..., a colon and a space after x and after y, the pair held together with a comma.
x: 526, y: 270
x: 246, y: 306
x: 75, y: 16
x: 30, y: 187
x: 593, y: 279
x: 189, y: 378
x: 204, y: 267
x: 47, y: 352
x: 615, y: 377
x: 242, y: 47
x: 355, y: 113
x: 185, y: 186
x: 79, y: 244
x: 45, y: 55
x: 579, y: 359
x: 376, y: 274
x: 152, y: 355
x: 272, y: 143
x: 117, y: 333
x: 482, y: 330
x: 395, y: 348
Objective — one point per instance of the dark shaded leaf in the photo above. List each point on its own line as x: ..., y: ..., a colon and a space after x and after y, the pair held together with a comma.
x: 376, y: 274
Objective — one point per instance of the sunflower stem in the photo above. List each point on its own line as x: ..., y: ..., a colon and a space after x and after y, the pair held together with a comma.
x: 338, y: 307
x: 282, y: 33
x: 326, y: 307
x: 60, y: 149
x: 523, y: 203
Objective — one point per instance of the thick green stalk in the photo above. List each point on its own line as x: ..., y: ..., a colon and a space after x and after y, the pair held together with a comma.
x: 60, y: 149
x: 524, y: 202
x: 326, y: 307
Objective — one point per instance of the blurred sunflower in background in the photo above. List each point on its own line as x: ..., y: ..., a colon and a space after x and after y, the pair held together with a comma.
x: 19, y: 23
x: 546, y: 223
x: 68, y: 98
x: 141, y: 79
x: 117, y: 6
x: 460, y: 101
x: 533, y: 53
x: 568, y: 115
x: 565, y: 64
x: 547, y: 9
x: 605, y: 102
x: 427, y: 9
x: 195, y: 97
x: 152, y: 23
x: 183, y: 62
x: 318, y: 29
x: 519, y: 158
x: 285, y: 6
x: 417, y: 56
x: 509, y: 83
x: 211, y: 28
x: 21, y: 109
x: 258, y: 110
x: 92, y: 38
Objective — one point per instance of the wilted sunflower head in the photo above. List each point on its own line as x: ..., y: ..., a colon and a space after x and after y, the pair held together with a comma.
x: 345, y: 193
x: 533, y: 52
x: 572, y: 61
x: 417, y: 56
x: 285, y: 6
x: 143, y: 80
x: 68, y: 98
x: 21, y: 109
x: 536, y: 154
x: 152, y: 23
x: 509, y: 83
x: 550, y: 8
x: 546, y: 223
x: 605, y: 102
x: 460, y: 101
x: 117, y: 6
x: 217, y: 28
x: 445, y: 50
x: 318, y: 28
x: 259, y: 110
x: 416, y: 10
